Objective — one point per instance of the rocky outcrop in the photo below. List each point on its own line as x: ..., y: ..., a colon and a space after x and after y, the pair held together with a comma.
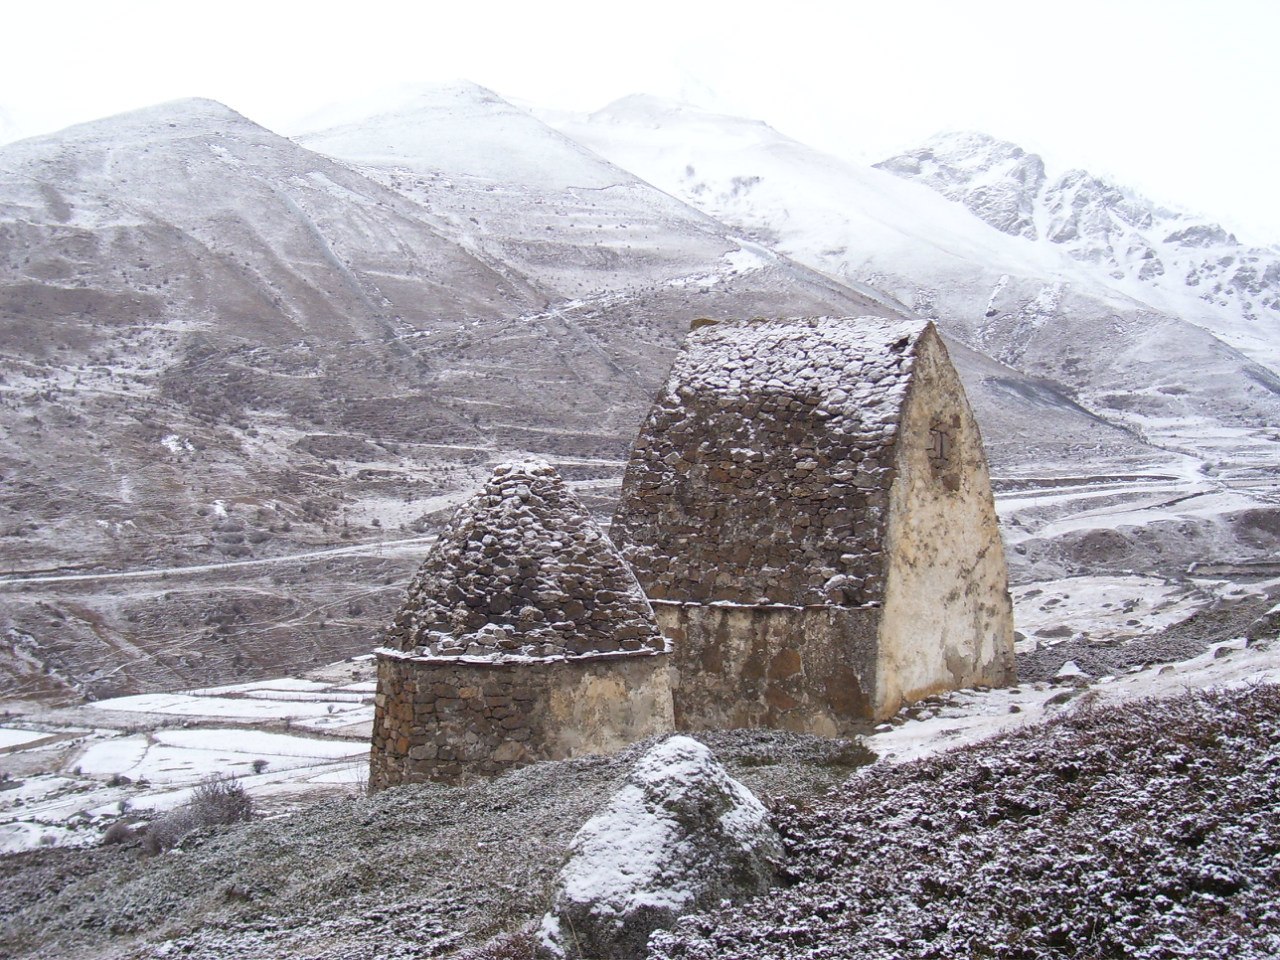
x: 1097, y: 222
x: 996, y: 180
x: 681, y: 835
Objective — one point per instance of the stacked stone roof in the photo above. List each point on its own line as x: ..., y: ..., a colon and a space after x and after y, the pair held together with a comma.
x: 762, y: 474
x: 523, y: 571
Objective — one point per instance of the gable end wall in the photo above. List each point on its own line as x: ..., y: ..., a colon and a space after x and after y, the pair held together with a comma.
x: 948, y: 619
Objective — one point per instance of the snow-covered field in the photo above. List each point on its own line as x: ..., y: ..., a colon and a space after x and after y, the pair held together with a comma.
x: 969, y: 716
x: 70, y: 773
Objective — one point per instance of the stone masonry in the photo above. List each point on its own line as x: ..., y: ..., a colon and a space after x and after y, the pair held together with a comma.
x: 765, y: 512
x: 523, y: 570
x: 450, y: 721
x: 524, y: 637
x: 762, y: 474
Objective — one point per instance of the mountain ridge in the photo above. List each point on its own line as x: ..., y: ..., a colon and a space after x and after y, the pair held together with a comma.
x: 1181, y: 262
x: 219, y: 345
x: 992, y: 289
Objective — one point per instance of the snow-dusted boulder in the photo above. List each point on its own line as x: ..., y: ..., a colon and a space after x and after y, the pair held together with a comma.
x: 680, y: 835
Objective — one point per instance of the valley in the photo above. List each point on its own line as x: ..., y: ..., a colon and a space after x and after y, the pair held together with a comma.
x: 245, y: 379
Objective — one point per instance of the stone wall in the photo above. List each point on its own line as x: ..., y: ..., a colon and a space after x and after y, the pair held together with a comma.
x: 763, y: 471
x: 807, y: 669
x: 449, y: 719
x: 948, y: 619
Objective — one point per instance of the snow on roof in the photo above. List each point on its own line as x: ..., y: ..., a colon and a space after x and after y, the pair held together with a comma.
x: 763, y: 470
x: 523, y: 571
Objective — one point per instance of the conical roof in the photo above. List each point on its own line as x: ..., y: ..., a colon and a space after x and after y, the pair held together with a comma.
x: 522, y: 570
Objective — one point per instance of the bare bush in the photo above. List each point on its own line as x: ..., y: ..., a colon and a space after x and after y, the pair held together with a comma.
x: 215, y: 802
x: 219, y: 801
x: 118, y: 833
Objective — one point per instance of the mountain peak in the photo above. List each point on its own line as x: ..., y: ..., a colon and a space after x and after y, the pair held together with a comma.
x: 1172, y: 260
x: 402, y: 100
x: 187, y: 114
x: 967, y: 142
x: 191, y: 115
x: 996, y: 179
x: 642, y: 104
x: 653, y: 110
x: 455, y: 129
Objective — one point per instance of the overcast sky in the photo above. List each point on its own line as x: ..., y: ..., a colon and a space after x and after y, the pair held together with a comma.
x: 1174, y: 98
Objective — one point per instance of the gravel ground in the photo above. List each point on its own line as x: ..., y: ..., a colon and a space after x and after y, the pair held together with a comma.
x: 1149, y: 830
x: 411, y: 872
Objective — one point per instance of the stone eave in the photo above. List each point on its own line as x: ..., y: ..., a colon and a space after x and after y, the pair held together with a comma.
x: 734, y: 605
x: 512, y: 660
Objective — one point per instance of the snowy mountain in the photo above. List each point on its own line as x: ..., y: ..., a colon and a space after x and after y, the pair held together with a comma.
x: 497, y: 180
x: 1186, y: 265
x: 528, y: 194
x: 1031, y: 305
x: 242, y: 380
x: 198, y: 317
x: 220, y: 348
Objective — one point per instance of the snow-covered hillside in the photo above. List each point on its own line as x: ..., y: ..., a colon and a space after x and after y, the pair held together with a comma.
x: 501, y: 181
x: 217, y: 346
x: 1182, y: 264
x: 1031, y: 305
x: 225, y: 356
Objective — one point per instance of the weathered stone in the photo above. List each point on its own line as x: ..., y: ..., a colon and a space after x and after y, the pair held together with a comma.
x: 525, y: 520
x: 680, y: 835
x: 554, y: 590
x: 843, y: 513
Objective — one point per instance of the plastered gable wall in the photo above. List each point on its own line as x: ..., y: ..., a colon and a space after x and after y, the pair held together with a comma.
x: 947, y: 620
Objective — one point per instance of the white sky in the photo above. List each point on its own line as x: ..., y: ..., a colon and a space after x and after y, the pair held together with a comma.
x: 1174, y: 98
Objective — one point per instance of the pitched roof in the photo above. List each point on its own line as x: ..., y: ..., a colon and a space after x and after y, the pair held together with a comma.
x: 762, y: 472
x: 522, y: 570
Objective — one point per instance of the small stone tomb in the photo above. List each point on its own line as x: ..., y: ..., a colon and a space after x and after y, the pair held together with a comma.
x: 524, y: 637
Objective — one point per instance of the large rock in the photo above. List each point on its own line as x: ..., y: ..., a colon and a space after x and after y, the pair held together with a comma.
x: 681, y: 835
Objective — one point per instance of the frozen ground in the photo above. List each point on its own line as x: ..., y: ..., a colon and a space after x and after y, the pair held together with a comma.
x: 432, y: 870
x: 1138, y: 830
x: 1103, y: 640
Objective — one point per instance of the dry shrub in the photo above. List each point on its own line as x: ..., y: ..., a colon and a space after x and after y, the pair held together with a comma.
x: 119, y: 832
x: 215, y: 802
